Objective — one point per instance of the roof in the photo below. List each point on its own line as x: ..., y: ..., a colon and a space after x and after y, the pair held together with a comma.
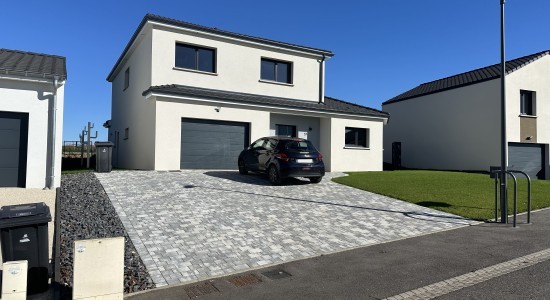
x: 32, y: 64
x: 213, y: 30
x: 331, y: 105
x: 467, y: 78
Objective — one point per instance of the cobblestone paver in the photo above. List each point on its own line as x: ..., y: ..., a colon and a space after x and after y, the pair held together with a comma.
x: 191, y: 225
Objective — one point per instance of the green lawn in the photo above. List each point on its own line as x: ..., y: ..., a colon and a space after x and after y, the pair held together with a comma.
x: 465, y: 194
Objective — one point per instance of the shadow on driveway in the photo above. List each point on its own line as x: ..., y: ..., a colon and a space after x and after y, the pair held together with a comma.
x: 259, y: 179
x: 253, y: 178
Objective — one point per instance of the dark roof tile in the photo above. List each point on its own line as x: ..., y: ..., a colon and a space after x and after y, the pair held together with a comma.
x: 330, y: 105
x: 32, y: 64
x: 467, y: 78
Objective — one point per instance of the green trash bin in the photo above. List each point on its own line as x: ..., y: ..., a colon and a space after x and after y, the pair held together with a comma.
x: 24, y: 236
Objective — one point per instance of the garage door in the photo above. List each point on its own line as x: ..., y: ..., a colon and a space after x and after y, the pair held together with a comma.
x: 527, y: 158
x: 210, y: 144
x: 13, y: 149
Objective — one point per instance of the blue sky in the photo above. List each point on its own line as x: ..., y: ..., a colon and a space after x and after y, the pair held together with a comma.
x: 382, y: 47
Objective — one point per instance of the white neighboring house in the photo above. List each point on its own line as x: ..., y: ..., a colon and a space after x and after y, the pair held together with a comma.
x: 31, y: 117
x: 187, y: 96
x: 454, y: 123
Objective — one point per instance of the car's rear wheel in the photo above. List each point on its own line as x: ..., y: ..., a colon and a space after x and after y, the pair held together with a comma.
x: 315, y: 179
x: 274, y: 176
x: 242, y: 167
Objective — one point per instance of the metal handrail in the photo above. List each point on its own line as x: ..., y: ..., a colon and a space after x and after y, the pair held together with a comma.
x: 528, y: 194
x: 510, y: 172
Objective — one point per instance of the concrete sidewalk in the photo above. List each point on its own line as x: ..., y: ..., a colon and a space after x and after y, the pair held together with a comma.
x: 386, y: 270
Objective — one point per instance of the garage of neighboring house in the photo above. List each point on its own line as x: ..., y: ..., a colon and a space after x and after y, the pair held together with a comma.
x: 529, y: 158
x: 212, y: 144
x: 13, y: 148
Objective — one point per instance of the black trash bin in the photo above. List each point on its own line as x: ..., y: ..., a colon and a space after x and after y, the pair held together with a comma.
x: 24, y: 236
x: 103, y: 158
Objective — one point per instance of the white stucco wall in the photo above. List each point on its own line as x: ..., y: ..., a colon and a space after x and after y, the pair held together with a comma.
x: 452, y: 130
x: 32, y: 97
x: 341, y: 158
x: 533, y: 77
x: 130, y: 110
x: 237, y: 66
x: 168, y: 125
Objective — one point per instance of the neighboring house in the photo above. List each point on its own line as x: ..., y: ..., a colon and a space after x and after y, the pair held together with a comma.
x: 454, y: 123
x: 187, y: 96
x: 31, y: 117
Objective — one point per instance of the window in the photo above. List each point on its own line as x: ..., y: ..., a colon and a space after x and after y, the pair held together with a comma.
x: 259, y: 144
x: 274, y: 70
x: 285, y: 130
x: 527, y: 103
x: 195, y: 58
x: 357, y: 137
x: 126, y: 78
x: 300, y: 146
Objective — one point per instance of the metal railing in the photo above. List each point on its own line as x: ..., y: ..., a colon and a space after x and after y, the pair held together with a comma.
x: 511, y: 173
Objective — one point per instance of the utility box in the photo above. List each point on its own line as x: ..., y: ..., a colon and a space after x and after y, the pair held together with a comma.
x: 14, y: 280
x: 24, y: 236
x: 103, y: 158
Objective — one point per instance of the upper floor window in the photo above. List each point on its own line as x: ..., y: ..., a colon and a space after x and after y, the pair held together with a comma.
x: 275, y: 70
x: 527, y: 99
x: 357, y: 137
x: 195, y: 58
x: 127, y: 78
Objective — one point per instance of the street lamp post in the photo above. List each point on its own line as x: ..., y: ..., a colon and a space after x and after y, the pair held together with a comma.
x: 504, y: 144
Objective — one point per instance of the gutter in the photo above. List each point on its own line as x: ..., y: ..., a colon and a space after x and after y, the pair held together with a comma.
x: 321, y: 79
x: 53, y: 123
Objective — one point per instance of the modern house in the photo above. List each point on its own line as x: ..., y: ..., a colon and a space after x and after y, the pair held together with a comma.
x: 454, y: 123
x: 31, y: 118
x: 187, y: 96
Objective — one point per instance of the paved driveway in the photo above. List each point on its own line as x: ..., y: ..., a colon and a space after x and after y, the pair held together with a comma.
x: 192, y: 225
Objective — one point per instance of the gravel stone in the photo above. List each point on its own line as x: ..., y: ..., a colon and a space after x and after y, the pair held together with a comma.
x: 87, y: 213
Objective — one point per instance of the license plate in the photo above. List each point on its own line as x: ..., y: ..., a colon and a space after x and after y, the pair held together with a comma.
x: 306, y: 169
x: 304, y: 160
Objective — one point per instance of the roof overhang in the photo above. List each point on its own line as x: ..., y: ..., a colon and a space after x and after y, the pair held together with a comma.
x: 157, y: 96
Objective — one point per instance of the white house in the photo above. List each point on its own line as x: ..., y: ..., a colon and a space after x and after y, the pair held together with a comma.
x: 187, y: 96
x: 454, y: 123
x: 31, y: 117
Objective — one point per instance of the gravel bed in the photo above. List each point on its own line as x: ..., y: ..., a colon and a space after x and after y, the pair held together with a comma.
x: 87, y: 213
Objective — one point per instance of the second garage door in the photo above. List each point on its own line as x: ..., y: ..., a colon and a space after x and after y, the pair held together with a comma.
x: 211, y: 144
x: 13, y: 149
x: 527, y: 158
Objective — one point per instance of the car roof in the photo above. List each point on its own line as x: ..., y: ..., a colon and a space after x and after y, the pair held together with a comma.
x: 284, y: 138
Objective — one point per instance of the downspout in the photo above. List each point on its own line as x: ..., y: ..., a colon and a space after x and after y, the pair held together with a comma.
x: 321, y: 81
x: 56, y: 85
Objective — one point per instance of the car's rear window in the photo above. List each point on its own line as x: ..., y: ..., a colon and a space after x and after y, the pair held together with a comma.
x: 300, y: 145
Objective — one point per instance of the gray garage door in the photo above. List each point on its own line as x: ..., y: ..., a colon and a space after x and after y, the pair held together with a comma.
x: 13, y: 149
x: 208, y: 144
x: 527, y: 158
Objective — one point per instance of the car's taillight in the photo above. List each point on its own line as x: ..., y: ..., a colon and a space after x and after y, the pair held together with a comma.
x: 282, y: 156
x: 320, y: 158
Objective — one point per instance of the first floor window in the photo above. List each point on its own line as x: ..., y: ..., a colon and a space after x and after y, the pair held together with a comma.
x: 527, y: 103
x: 274, y: 70
x: 127, y: 78
x: 357, y: 137
x: 285, y: 130
x: 195, y: 58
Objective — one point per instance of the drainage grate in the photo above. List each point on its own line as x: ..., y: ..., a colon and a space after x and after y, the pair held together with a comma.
x: 172, y: 171
x: 276, y: 274
x: 245, y: 280
x: 200, y: 289
x: 188, y: 186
